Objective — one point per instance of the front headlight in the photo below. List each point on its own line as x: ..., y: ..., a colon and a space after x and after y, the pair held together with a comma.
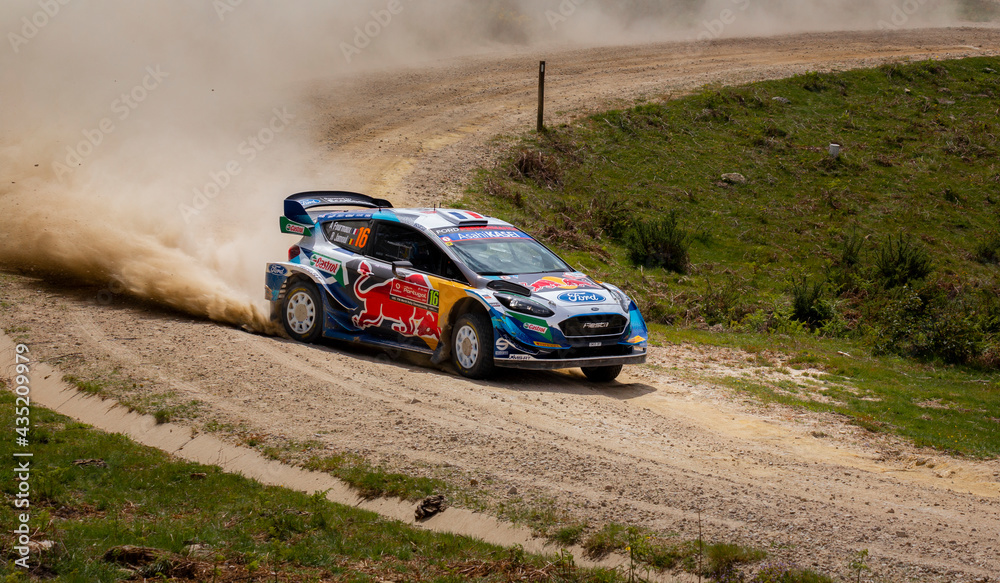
x: 623, y: 299
x: 524, y: 306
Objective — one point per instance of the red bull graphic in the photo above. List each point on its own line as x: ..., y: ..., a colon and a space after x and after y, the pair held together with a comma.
x: 415, y: 295
x: 549, y: 283
x: 406, y: 303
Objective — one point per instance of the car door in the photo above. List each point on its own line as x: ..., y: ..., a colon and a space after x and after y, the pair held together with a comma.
x: 402, y: 306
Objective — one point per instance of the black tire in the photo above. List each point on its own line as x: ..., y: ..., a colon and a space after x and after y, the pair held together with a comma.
x: 472, y: 346
x: 602, y: 374
x: 302, y: 312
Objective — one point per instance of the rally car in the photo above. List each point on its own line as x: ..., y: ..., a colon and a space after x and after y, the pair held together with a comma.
x: 448, y: 283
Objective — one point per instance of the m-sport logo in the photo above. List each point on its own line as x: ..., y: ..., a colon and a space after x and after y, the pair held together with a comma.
x: 594, y: 325
x: 579, y: 297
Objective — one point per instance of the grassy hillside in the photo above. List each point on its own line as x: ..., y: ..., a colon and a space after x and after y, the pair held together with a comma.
x: 892, y: 247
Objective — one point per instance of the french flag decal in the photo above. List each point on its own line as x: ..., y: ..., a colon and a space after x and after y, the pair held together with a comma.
x: 465, y: 215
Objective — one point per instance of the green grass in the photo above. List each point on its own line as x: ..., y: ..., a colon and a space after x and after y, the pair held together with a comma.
x: 87, y: 386
x: 643, y: 547
x: 372, y: 482
x: 887, y: 250
x: 948, y: 408
x: 164, y: 406
x: 145, y: 497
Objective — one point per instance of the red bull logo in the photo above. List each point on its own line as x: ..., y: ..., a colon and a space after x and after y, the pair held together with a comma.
x: 379, y: 304
x: 547, y: 283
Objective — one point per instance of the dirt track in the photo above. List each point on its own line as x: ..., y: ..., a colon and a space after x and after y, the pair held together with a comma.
x: 653, y: 449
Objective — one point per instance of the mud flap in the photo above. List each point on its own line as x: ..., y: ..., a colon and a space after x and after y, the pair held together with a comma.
x: 441, y: 353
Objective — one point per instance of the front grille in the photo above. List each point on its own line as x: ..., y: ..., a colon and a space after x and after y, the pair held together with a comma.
x: 596, y: 325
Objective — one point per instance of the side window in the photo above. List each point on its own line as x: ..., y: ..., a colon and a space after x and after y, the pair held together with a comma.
x: 396, y: 242
x: 351, y: 235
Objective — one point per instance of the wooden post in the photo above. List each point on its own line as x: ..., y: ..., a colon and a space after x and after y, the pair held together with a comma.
x: 541, y: 97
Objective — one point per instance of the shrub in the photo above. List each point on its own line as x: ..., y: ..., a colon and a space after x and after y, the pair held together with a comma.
x: 658, y: 242
x: 777, y: 319
x: 722, y: 559
x: 850, y: 253
x: 725, y: 304
x: 955, y: 336
x: 809, y: 303
x: 611, y: 214
x: 497, y: 189
x: 538, y: 166
x: 988, y: 248
x: 927, y: 322
x: 813, y: 81
x: 569, y: 535
x: 611, y: 537
x: 899, y: 261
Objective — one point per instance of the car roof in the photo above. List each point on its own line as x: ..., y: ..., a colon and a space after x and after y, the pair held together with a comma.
x: 429, y: 219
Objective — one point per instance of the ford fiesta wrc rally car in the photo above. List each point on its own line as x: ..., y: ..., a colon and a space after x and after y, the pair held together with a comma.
x: 448, y: 283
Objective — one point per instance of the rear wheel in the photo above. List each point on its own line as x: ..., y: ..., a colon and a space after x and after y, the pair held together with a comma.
x: 302, y: 312
x: 472, y: 346
x: 602, y: 374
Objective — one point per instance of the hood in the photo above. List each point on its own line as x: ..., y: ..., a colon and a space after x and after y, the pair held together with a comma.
x: 572, y: 288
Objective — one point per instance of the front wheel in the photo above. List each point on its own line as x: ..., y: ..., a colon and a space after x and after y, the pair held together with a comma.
x: 472, y: 346
x: 602, y: 374
x: 302, y: 312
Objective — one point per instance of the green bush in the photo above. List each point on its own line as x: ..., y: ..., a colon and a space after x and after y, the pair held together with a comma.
x: 659, y: 242
x: 850, y: 253
x: 611, y: 537
x: 899, y: 261
x: 927, y: 322
x: 810, y: 304
x: 611, y: 213
x: 722, y: 559
x: 987, y: 249
x: 725, y: 304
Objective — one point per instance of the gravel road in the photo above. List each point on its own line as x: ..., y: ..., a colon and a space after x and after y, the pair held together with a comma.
x: 658, y: 447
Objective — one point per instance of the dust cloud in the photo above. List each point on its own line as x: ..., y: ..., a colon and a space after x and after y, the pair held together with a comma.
x: 146, y: 146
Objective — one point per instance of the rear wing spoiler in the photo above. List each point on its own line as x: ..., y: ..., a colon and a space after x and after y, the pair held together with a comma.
x: 297, y: 220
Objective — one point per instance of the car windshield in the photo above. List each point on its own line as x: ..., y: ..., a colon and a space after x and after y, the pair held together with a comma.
x: 503, y: 252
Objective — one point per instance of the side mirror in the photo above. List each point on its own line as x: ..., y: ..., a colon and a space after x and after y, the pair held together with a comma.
x: 397, y: 265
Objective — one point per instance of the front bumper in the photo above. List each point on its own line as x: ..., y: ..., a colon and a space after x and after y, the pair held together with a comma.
x: 638, y: 356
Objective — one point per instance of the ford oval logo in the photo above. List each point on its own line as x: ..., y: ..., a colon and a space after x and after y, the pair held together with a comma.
x: 581, y: 297
x: 278, y: 270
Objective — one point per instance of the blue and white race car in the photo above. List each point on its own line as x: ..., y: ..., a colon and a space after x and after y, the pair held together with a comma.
x: 448, y: 283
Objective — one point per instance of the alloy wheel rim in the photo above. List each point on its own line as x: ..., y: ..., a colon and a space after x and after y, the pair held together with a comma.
x: 467, y: 347
x: 300, y: 312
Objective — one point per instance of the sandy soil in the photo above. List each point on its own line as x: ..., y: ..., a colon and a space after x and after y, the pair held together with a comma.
x: 657, y: 448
